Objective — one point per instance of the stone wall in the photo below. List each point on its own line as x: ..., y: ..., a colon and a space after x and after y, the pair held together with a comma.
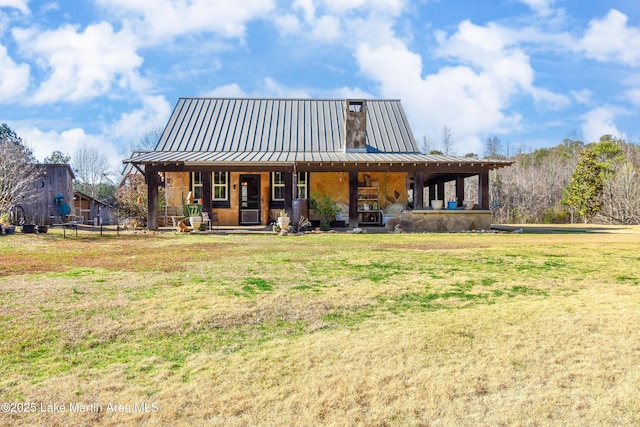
x: 441, y: 221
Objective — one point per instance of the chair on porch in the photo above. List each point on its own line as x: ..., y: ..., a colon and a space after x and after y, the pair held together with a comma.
x: 206, y: 219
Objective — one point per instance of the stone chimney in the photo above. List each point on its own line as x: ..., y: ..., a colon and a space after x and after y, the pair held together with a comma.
x: 355, y: 125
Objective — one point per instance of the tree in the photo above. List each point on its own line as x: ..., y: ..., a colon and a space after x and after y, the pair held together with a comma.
x: 17, y: 170
x: 493, y: 149
x: 621, y: 194
x: 57, y: 157
x: 90, y: 168
x: 131, y: 198
x: 150, y: 138
x: 447, y: 141
x: 595, y: 168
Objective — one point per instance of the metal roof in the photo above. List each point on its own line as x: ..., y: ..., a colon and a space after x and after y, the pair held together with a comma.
x: 232, y: 132
x: 280, y: 125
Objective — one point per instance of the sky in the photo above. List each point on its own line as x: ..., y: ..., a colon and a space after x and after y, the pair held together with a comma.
x: 102, y: 73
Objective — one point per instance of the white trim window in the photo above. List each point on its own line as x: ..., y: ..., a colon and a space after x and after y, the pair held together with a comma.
x: 196, y: 185
x: 303, y: 185
x: 278, y: 190
x: 277, y: 186
x: 220, y: 186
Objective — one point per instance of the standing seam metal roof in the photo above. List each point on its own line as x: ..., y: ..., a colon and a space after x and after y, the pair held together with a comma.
x: 280, y: 125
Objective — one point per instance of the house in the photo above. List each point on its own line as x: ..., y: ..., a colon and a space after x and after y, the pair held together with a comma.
x: 245, y: 159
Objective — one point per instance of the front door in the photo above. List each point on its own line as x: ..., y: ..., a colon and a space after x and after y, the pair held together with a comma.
x: 249, y: 199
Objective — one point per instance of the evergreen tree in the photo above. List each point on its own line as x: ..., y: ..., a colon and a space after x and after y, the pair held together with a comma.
x: 594, y: 169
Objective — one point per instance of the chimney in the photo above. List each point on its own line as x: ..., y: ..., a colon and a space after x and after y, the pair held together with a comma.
x: 355, y: 125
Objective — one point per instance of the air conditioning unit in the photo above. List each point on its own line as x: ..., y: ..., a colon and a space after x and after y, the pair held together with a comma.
x: 250, y: 216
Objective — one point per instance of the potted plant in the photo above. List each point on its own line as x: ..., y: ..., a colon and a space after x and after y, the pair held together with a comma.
x: 283, y: 220
x: 29, y: 226
x: 6, y: 225
x: 325, y: 208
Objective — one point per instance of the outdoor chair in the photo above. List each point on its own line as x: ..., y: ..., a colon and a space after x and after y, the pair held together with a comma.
x: 206, y: 219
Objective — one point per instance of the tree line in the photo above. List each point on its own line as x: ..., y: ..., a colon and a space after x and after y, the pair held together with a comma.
x: 573, y: 182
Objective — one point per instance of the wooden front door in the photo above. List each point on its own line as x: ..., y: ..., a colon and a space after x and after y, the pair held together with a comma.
x: 249, y: 199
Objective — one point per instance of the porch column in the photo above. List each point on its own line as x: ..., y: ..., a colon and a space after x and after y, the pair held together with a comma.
x: 206, y: 191
x: 353, y: 199
x: 483, y: 190
x: 418, y: 190
x: 440, y: 188
x: 151, y: 176
x: 432, y: 194
x: 288, y: 192
x: 460, y: 189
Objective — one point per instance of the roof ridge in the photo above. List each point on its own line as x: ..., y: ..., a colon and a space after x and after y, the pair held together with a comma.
x: 285, y: 99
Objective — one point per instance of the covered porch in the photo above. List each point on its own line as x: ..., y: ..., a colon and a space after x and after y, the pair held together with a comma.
x: 343, y: 182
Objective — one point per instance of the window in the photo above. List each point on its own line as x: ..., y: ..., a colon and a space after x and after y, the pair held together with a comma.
x: 220, y: 186
x: 302, y: 185
x: 278, y: 190
x: 196, y: 185
x: 277, y: 186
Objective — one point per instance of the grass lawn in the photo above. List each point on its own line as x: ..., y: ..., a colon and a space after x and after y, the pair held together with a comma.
x: 331, y: 329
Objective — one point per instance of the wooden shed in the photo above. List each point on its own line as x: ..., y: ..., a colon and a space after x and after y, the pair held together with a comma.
x: 52, y: 194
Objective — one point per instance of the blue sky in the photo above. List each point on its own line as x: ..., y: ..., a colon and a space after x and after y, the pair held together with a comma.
x: 531, y: 72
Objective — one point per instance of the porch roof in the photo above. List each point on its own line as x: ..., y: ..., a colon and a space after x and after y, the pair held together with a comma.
x: 315, y: 161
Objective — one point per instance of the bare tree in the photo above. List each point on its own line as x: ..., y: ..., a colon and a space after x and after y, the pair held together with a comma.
x: 90, y: 168
x: 428, y: 145
x: 150, y: 138
x: 447, y: 141
x: 17, y: 170
x: 493, y: 149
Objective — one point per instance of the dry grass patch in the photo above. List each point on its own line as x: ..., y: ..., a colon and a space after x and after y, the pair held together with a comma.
x: 326, y: 329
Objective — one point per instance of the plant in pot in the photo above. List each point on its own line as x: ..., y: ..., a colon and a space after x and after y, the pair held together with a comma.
x: 29, y: 226
x: 4, y: 223
x: 283, y: 220
x: 325, y: 208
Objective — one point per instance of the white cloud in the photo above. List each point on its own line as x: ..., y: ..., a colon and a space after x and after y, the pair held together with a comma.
x: 288, y: 24
x: 154, y: 113
x: 21, y: 5
x: 272, y: 89
x: 326, y: 28
x: 14, y: 78
x: 472, y: 100
x: 390, y: 7
x: 80, y: 65
x: 43, y: 143
x: 269, y: 88
x: 601, y: 121
x: 231, y: 90
x: 159, y: 20
x: 583, y: 96
x: 610, y: 39
x: 542, y: 7
x: 338, y: 20
x: 548, y: 100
